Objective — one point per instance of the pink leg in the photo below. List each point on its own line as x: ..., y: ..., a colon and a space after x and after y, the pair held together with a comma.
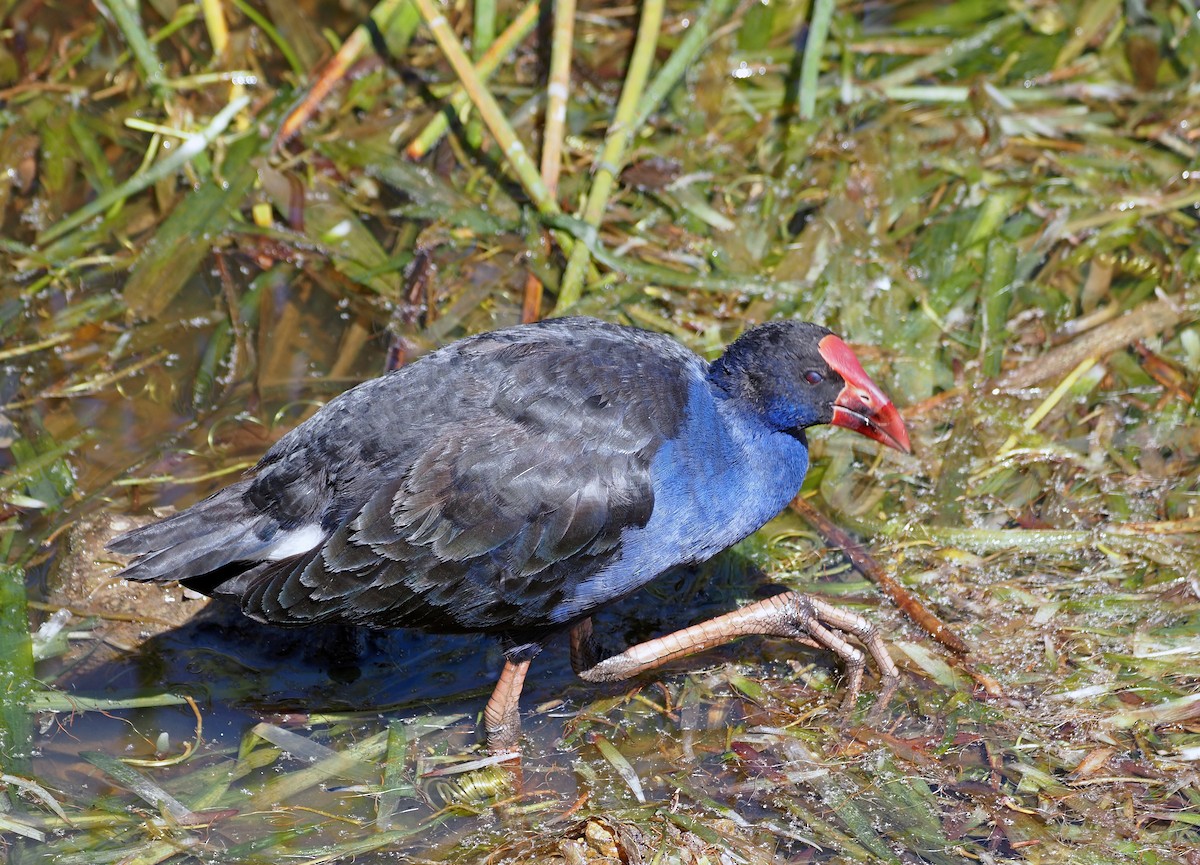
x: 501, y: 719
x: 789, y: 614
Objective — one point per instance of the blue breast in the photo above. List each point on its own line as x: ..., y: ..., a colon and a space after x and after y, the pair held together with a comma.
x: 722, y: 478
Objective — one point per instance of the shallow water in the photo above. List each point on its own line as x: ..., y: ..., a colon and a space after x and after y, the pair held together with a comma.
x: 963, y: 209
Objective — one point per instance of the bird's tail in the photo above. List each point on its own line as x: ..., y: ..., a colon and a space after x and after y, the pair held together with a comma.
x: 209, y: 535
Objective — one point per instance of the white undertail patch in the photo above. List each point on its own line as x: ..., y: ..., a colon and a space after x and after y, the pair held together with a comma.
x: 293, y: 543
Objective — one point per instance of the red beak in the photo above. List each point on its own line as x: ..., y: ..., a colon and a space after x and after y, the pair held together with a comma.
x: 862, y: 406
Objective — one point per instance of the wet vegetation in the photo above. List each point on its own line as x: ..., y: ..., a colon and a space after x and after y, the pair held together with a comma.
x: 215, y: 216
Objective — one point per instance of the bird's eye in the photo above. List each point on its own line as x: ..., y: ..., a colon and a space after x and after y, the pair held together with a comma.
x: 813, y: 377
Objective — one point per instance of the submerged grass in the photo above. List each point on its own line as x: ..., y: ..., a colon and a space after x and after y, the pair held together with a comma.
x: 202, y: 238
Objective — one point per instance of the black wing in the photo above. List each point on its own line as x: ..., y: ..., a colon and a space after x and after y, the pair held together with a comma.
x: 473, y: 490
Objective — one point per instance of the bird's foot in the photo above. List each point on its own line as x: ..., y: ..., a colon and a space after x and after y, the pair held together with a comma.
x: 789, y: 614
x: 826, y: 625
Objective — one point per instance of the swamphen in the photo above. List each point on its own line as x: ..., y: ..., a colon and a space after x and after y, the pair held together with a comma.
x: 515, y: 482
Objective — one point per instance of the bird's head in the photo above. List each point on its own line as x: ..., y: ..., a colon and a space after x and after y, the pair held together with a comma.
x: 796, y: 374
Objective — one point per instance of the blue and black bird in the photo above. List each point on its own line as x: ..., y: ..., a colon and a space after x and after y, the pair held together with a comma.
x: 515, y: 482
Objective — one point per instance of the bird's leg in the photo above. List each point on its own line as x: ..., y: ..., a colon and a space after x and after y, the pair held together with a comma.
x: 789, y: 614
x: 501, y: 718
x: 584, y: 649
